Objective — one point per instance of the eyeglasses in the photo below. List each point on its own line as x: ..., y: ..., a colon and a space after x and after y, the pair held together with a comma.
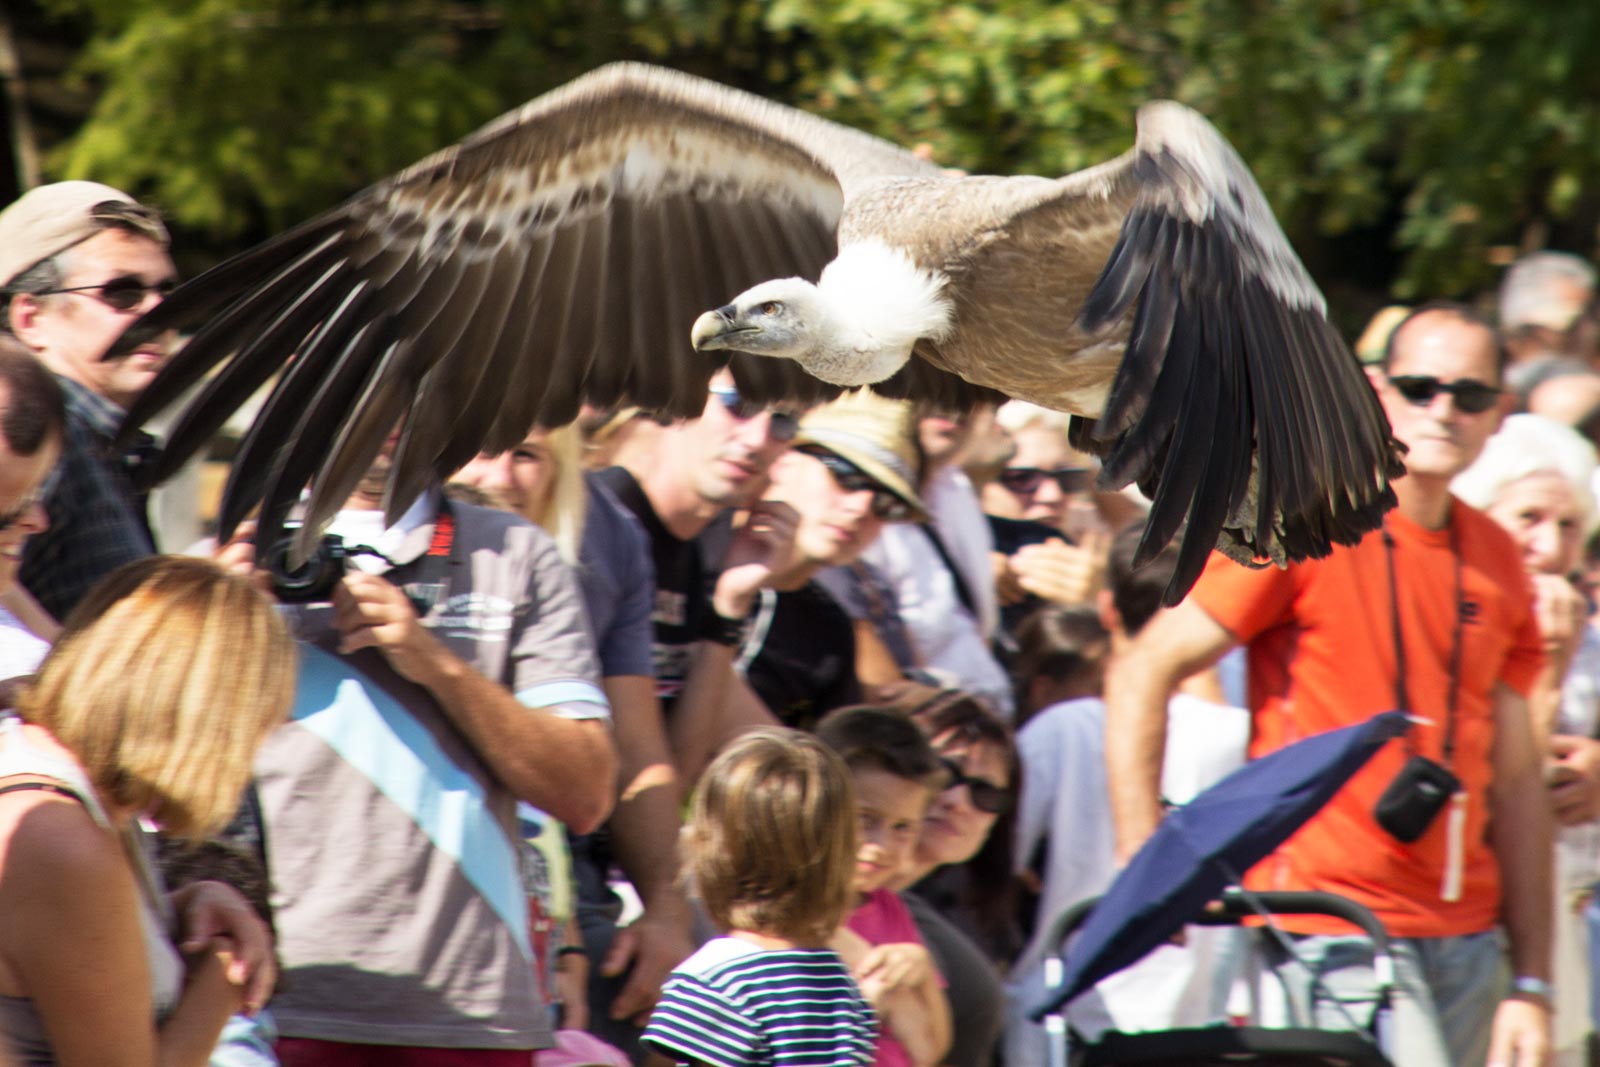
x: 125, y: 292
x: 20, y: 510
x: 1025, y: 481
x: 784, y: 424
x: 1470, y: 396
x: 852, y: 479
x: 987, y: 797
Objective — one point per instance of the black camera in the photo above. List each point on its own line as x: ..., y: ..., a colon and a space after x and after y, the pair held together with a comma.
x: 1415, y: 797
x: 313, y: 581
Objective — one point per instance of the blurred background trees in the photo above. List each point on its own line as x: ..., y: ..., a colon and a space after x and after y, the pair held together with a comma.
x: 1411, y: 147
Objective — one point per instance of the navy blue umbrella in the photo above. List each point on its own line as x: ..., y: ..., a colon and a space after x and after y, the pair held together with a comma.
x: 1202, y: 847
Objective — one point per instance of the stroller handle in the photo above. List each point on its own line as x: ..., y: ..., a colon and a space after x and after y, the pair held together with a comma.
x: 1237, y: 903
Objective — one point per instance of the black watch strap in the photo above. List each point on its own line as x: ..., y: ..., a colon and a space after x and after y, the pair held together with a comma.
x: 722, y: 630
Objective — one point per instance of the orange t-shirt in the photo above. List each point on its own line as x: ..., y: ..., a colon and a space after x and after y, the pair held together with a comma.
x: 1322, y: 655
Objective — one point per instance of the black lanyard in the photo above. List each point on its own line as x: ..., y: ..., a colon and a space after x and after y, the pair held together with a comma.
x: 1402, y: 696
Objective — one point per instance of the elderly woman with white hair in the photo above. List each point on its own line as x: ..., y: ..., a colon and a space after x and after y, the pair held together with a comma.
x: 1536, y: 478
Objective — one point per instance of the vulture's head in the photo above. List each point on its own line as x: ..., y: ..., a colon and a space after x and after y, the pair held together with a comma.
x: 792, y: 319
x: 777, y: 318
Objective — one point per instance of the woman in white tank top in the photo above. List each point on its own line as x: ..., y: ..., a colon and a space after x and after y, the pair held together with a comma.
x: 151, y: 706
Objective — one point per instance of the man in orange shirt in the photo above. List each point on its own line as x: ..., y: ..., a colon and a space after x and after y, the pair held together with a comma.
x: 1431, y: 613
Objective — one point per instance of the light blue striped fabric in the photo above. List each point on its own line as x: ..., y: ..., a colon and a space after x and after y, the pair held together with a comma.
x: 376, y: 735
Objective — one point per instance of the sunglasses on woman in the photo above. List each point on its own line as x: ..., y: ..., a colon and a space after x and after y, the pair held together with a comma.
x: 1025, y: 481
x: 125, y: 292
x: 852, y: 479
x: 987, y: 797
x: 1469, y: 396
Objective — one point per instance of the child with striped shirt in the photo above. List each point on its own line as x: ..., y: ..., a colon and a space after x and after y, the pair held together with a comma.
x: 770, y: 848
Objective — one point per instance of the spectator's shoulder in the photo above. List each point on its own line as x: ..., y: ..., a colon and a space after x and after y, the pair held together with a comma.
x: 608, y: 518
x: 487, y: 528
x: 1483, y: 539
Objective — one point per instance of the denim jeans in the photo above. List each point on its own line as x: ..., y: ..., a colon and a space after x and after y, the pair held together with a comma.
x: 1443, y: 1004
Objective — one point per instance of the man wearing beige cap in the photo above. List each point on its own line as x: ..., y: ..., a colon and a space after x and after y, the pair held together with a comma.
x: 79, y: 263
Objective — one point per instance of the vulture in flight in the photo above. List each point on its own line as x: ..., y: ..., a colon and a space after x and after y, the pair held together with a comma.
x: 570, y: 250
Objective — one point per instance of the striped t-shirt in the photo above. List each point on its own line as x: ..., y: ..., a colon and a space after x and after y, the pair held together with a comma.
x: 732, y: 1004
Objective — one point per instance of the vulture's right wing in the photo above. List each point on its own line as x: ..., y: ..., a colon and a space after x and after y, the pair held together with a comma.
x: 1235, y: 406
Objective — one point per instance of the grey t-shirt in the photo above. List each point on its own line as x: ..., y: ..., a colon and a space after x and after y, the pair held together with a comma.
x: 393, y: 849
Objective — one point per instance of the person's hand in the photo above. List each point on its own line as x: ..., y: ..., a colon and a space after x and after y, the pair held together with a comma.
x: 1063, y: 573
x: 646, y: 949
x: 237, y: 555
x: 372, y: 612
x: 1561, y: 613
x: 886, y: 968
x: 209, y: 984
x: 1521, y: 1034
x: 762, y: 547
x: 214, y: 915
x: 571, y: 983
x: 1006, y: 587
x: 1573, y: 772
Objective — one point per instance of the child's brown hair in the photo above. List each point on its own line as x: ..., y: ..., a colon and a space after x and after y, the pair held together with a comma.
x: 772, y: 837
x: 877, y: 738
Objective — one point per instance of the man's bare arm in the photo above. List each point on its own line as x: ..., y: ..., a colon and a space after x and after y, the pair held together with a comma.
x: 644, y: 831
x: 1520, y: 833
x: 1144, y: 672
x: 564, y: 766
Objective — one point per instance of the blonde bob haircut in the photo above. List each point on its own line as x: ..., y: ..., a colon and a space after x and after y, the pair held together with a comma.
x: 167, y: 677
x: 772, y: 837
x: 569, y: 497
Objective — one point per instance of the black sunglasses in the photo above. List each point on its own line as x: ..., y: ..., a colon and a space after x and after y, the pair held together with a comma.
x: 852, y: 479
x: 1469, y: 396
x: 122, y: 293
x: 987, y: 797
x: 1025, y: 481
x: 784, y: 424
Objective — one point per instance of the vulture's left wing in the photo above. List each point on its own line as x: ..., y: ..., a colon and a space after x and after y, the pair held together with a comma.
x: 1235, y: 406
x: 556, y: 256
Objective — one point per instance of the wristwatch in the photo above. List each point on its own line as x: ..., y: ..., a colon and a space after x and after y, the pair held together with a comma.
x: 1529, y: 986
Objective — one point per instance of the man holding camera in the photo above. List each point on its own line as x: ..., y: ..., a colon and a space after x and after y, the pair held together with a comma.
x: 1445, y: 835
x: 451, y: 676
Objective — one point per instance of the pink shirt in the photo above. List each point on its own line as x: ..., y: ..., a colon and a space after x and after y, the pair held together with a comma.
x: 885, y: 920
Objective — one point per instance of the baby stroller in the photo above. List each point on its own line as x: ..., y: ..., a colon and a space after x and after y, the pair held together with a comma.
x: 1200, y: 849
x: 1221, y: 1045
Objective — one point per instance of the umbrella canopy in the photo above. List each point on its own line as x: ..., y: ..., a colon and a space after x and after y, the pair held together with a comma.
x: 1202, y: 847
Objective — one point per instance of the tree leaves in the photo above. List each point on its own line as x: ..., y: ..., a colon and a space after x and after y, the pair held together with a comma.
x: 1453, y: 126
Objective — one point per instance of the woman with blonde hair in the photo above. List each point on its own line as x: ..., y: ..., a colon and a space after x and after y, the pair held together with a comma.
x: 540, y: 479
x: 165, y: 680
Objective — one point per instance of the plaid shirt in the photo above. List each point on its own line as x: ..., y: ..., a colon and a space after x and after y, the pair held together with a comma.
x: 97, y: 517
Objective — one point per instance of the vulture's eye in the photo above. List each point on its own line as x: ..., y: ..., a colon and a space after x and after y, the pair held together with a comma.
x: 771, y: 307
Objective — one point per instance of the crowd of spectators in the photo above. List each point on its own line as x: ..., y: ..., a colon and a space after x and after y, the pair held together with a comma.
x: 896, y: 665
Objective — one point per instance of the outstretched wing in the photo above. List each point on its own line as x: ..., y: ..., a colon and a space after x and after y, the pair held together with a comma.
x: 558, y: 255
x: 1157, y: 295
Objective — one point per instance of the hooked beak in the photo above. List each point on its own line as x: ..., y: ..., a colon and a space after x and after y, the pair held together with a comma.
x: 717, y: 329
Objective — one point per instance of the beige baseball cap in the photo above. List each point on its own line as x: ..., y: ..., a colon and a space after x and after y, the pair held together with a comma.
x: 52, y: 218
x: 876, y: 434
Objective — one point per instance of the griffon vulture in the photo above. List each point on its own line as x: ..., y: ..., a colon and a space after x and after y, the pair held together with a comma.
x: 569, y: 250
